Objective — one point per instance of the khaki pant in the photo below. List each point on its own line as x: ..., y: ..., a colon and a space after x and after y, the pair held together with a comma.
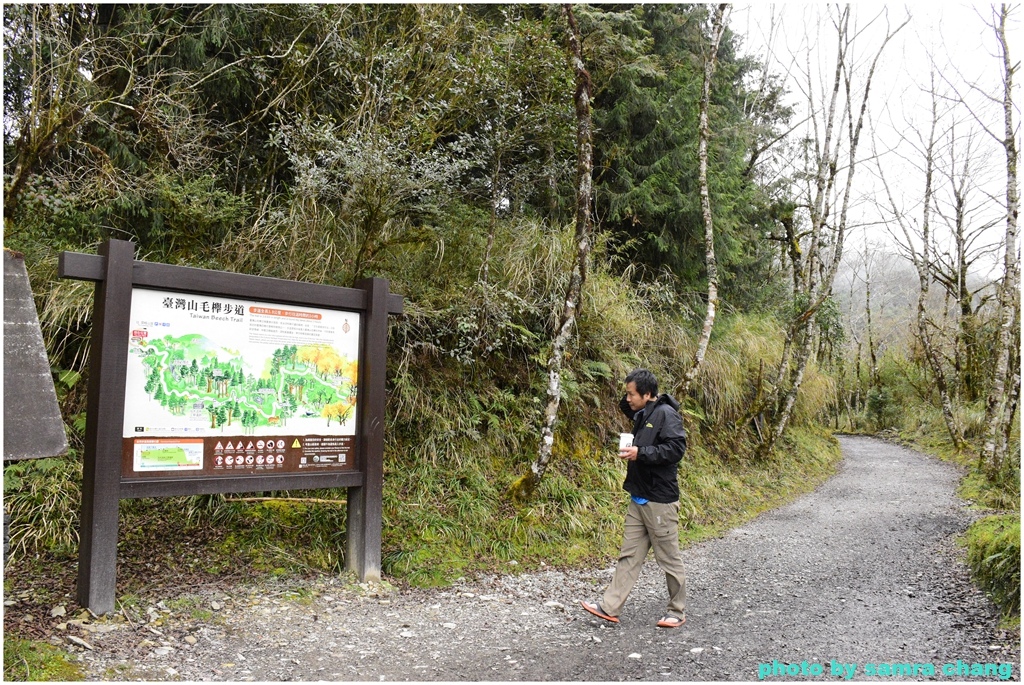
x: 652, y: 525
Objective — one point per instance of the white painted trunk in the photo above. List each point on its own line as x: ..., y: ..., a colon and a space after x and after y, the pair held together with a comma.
x: 567, y: 320
x: 710, y: 261
x: 996, y: 408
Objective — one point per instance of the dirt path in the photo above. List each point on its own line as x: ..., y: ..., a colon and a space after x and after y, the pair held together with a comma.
x: 861, y: 571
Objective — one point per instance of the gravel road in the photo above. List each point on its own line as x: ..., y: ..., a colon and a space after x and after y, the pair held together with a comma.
x: 863, y: 572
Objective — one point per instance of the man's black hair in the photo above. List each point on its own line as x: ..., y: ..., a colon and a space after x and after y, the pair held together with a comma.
x: 646, y: 383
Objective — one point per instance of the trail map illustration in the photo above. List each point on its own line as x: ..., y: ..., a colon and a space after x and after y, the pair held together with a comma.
x: 205, y: 368
x: 193, y: 375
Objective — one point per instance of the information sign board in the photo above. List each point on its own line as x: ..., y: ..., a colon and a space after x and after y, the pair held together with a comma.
x: 222, y: 387
x: 207, y: 382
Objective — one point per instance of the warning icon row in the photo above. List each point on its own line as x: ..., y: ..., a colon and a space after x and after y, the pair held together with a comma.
x: 270, y: 445
x: 248, y: 460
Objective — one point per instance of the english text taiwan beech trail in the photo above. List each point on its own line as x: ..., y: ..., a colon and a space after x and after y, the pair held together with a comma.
x: 862, y: 575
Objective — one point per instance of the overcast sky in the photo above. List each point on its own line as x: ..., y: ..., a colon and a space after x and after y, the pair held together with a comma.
x: 952, y: 36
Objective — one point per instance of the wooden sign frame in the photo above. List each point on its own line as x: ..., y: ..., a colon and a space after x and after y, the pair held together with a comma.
x: 116, y: 273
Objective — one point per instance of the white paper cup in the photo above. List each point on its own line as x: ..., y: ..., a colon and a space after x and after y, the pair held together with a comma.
x: 625, y: 440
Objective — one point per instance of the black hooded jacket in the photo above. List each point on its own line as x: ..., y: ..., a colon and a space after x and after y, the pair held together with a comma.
x: 661, y: 441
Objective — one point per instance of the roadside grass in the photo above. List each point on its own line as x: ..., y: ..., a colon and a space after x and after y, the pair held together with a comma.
x: 43, y: 497
x: 449, y: 515
x: 993, y: 553
x: 33, y: 660
x: 436, y: 533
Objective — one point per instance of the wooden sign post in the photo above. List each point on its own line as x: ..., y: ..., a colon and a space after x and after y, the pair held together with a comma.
x: 207, y: 382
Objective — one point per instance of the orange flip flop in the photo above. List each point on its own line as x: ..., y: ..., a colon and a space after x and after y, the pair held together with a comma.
x: 596, y: 610
x: 671, y: 622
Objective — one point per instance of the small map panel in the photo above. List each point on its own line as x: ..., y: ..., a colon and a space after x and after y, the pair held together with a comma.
x: 168, y: 455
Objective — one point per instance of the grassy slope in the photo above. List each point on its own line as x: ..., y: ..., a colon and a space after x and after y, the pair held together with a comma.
x: 449, y: 520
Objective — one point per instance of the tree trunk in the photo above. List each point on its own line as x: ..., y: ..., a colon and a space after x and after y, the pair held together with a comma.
x: 718, y: 27
x: 785, y: 411
x: 934, y: 358
x: 1009, y: 294
x: 1013, y: 393
x: 876, y: 382
x: 857, y: 399
x: 584, y: 192
x: 965, y: 343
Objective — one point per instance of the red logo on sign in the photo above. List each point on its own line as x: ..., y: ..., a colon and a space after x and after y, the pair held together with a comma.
x: 140, y: 334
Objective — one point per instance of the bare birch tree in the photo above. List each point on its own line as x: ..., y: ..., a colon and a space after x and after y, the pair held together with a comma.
x: 952, y: 268
x: 584, y: 243
x: 850, y: 397
x: 1002, y: 398
x: 816, y: 253
x: 710, y: 61
x: 869, y: 260
x: 923, y: 259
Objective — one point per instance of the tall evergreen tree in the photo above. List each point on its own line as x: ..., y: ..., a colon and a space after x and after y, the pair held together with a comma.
x: 646, y: 166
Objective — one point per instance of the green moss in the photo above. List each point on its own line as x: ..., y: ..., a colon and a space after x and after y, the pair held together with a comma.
x: 29, y: 660
x: 993, y: 553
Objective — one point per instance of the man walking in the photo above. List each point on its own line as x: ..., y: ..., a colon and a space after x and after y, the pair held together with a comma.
x: 652, y: 519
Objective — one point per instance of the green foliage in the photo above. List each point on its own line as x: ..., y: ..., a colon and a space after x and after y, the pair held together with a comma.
x: 645, y: 168
x: 31, y: 660
x: 993, y: 553
x: 829, y: 320
x: 110, y: 126
x: 881, y: 409
x: 1000, y: 490
x: 43, y: 498
x: 431, y: 152
x: 297, y: 530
